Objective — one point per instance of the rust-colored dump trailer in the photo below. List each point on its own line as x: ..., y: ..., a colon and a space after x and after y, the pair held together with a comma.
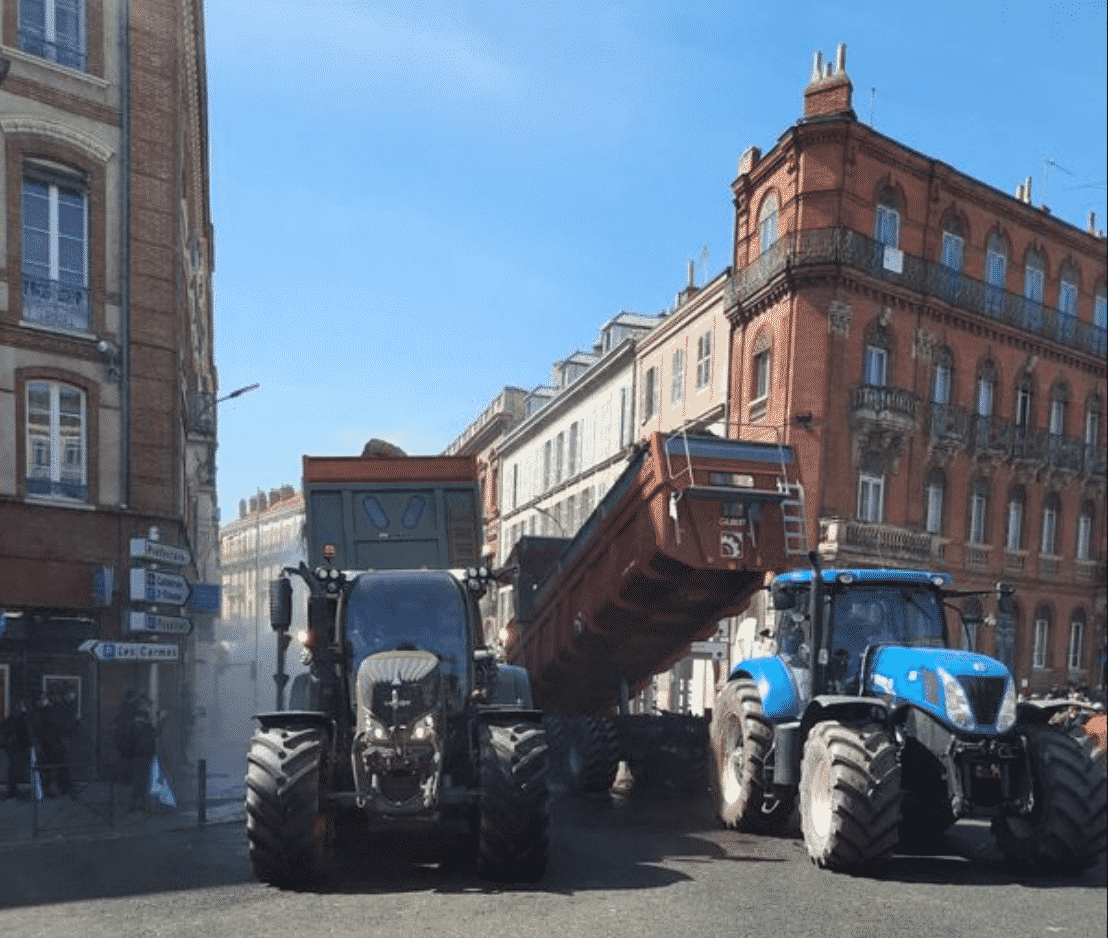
x: 683, y: 538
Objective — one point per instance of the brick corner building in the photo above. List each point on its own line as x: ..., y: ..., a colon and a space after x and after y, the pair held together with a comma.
x: 107, y: 379
x: 935, y: 350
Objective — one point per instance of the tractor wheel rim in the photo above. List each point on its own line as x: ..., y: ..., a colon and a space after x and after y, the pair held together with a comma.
x: 820, y: 799
x: 732, y: 769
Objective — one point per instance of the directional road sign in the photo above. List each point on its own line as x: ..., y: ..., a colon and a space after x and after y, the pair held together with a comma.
x: 129, y: 651
x: 167, y: 625
x: 150, y: 586
x: 144, y: 549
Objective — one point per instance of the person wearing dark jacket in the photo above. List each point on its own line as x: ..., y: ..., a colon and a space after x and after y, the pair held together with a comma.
x: 17, y: 745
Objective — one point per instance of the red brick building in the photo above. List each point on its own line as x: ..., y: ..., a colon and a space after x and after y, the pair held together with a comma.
x: 107, y: 380
x: 936, y: 350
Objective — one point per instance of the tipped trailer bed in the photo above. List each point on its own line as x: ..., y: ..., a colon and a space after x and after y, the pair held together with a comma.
x: 685, y: 536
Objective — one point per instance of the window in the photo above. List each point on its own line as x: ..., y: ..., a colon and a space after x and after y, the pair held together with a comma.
x: 56, y: 445
x: 703, y: 361
x: 887, y: 223
x: 54, y: 30
x: 986, y: 381
x: 767, y: 224
x: 651, y: 394
x: 574, y: 444
x: 1042, y: 633
x: 871, y: 492
x: 54, y: 254
x: 1084, y: 531
x: 936, y: 493
x: 762, y: 364
x: 677, y: 377
x: 979, y: 501
x: 876, y: 364
x: 547, y: 452
x: 624, y: 416
x: 941, y: 380
x: 1049, y: 541
x: 559, y: 457
x: 1100, y: 309
x: 953, y: 246
x: 1058, y: 400
x: 1013, y: 538
x: 1067, y: 299
x: 1077, y: 640
x: 996, y: 272
x: 1034, y: 277
x: 1023, y: 402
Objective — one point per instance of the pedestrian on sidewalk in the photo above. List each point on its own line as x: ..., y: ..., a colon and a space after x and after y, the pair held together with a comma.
x: 146, y: 730
x: 54, y: 724
x: 16, y: 735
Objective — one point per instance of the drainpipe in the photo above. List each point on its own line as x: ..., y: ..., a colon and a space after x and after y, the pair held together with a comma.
x: 125, y: 255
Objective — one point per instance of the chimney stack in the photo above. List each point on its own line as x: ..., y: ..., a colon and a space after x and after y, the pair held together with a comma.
x: 829, y: 91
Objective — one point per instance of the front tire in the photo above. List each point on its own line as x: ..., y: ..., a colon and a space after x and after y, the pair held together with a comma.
x: 512, y: 807
x: 1065, y: 830
x: 849, y: 795
x: 741, y: 738
x: 285, y: 823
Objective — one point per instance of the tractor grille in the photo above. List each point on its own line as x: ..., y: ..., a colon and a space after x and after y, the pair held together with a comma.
x: 985, y: 695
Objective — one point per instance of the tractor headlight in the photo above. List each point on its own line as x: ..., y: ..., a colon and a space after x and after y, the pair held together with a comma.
x: 375, y: 729
x: 958, y: 708
x: 1006, y: 719
x: 423, y: 729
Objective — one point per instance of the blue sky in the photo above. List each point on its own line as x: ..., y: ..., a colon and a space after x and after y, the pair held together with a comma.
x: 416, y: 204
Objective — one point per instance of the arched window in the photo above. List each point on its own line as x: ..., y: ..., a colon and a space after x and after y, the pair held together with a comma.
x: 942, y: 377
x: 954, y: 241
x: 877, y: 356
x: 1013, y: 537
x: 1059, y: 398
x: 1093, y: 455
x: 887, y: 218
x: 1067, y: 292
x: 767, y: 223
x: 1034, y: 277
x: 1084, y: 531
x: 979, y: 505
x: 56, y: 424
x: 761, y: 370
x: 1041, y: 647
x: 1077, y: 640
x: 1048, y: 544
x: 936, y: 496
x: 996, y: 272
x: 1024, y: 392
x: 983, y: 403
x: 871, y: 491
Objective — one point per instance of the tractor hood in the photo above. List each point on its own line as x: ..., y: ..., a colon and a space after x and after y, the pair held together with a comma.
x: 968, y: 692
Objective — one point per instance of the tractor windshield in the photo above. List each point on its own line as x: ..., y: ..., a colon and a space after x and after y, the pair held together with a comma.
x: 902, y: 614
x: 409, y: 609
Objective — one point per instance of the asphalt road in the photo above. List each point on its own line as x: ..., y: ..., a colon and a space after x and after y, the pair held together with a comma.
x: 649, y: 866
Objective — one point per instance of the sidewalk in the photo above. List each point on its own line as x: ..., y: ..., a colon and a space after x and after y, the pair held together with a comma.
x: 98, y: 810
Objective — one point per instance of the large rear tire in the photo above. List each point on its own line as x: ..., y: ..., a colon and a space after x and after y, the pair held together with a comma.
x: 849, y: 795
x: 741, y: 738
x: 1065, y: 830
x: 586, y: 753
x: 285, y: 823
x: 512, y: 807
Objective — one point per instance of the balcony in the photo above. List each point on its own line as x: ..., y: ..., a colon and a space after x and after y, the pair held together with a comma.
x: 821, y: 246
x: 890, y: 409
x: 846, y: 542
x: 55, y: 305
x: 953, y: 425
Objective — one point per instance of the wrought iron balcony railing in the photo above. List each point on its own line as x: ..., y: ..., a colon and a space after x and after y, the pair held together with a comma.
x: 55, y: 304
x: 815, y: 246
x: 994, y: 434
x: 884, y: 400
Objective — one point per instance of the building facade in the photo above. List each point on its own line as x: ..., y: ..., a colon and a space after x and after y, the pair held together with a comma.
x: 934, y: 349
x: 236, y: 679
x: 107, y: 379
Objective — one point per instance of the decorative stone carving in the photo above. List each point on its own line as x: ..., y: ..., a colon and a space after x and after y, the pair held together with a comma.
x: 839, y: 316
x: 924, y: 345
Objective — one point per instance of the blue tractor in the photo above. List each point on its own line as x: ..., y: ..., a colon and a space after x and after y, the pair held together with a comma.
x: 886, y: 734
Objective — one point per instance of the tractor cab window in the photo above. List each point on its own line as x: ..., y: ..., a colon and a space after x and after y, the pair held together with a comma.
x: 416, y: 610
x: 891, y: 615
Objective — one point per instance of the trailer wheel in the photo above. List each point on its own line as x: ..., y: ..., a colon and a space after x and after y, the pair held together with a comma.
x: 1065, y: 830
x: 285, y: 823
x: 741, y: 738
x: 849, y: 795
x: 512, y: 805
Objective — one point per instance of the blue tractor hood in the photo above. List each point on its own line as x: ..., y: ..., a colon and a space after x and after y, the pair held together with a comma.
x: 966, y: 691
